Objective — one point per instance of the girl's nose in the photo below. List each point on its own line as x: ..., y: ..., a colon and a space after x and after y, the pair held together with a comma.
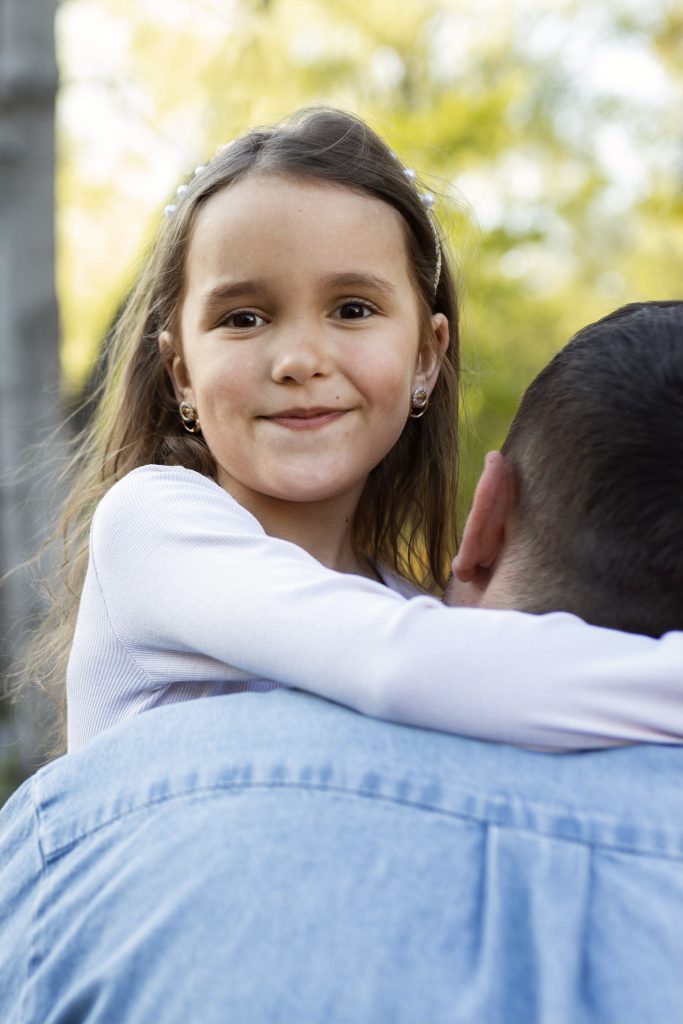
x: 300, y: 355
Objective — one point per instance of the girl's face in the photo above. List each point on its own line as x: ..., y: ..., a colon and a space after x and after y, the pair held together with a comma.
x: 300, y: 337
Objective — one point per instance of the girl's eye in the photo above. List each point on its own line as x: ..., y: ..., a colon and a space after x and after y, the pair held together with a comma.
x: 242, y: 320
x: 355, y: 310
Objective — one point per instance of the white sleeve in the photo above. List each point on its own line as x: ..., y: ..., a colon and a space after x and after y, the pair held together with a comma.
x: 184, y: 567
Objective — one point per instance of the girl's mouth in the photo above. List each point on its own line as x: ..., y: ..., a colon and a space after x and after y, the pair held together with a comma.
x: 306, y: 419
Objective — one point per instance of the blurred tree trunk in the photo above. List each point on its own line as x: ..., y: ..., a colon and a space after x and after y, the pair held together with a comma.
x: 29, y: 364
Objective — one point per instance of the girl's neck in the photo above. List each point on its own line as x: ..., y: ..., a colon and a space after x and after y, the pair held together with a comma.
x: 322, y: 528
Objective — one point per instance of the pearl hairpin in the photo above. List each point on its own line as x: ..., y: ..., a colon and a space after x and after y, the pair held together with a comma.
x: 427, y: 200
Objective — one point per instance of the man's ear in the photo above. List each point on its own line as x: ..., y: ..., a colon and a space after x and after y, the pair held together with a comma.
x: 433, y: 351
x: 484, y: 532
x: 176, y: 369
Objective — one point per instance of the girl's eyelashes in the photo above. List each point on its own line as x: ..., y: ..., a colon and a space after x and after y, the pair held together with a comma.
x: 355, y: 309
x: 242, y: 320
x: 250, y: 320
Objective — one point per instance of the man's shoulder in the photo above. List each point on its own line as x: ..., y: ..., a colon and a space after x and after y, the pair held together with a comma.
x: 629, y: 798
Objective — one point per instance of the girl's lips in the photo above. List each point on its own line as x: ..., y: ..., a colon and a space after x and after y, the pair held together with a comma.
x: 306, y: 419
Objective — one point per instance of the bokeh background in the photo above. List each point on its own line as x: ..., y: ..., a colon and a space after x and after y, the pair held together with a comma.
x: 551, y: 134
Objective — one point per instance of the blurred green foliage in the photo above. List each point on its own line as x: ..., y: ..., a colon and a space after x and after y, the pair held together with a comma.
x: 548, y: 132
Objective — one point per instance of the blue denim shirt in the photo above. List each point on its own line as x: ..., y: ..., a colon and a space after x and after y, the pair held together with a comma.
x: 276, y: 858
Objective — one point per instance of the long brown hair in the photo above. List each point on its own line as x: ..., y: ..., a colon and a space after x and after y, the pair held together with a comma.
x: 405, y: 519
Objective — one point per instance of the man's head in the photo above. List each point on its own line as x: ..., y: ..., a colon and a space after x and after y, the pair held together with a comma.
x: 583, y: 509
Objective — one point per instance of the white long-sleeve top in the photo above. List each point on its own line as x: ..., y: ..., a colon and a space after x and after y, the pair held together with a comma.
x: 186, y: 596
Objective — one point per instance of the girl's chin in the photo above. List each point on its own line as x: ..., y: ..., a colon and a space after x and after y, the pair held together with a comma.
x: 301, y: 486
x: 316, y: 485
x: 306, y: 488
x: 302, y: 493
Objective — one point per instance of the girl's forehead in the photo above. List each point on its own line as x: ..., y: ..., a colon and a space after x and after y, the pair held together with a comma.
x: 278, y: 192
x: 264, y: 219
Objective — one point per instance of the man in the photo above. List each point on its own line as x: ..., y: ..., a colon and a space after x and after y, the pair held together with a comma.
x: 302, y: 863
x: 583, y: 510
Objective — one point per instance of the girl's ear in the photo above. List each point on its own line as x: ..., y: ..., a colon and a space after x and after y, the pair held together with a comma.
x: 176, y: 369
x: 433, y: 351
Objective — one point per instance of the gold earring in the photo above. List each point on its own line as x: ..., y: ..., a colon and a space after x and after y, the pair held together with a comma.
x: 189, y: 417
x: 419, y: 402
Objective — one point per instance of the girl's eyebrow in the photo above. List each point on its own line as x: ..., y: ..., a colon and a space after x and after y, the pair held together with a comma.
x: 228, y: 290
x: 353, y: 279
x: 359, y: 280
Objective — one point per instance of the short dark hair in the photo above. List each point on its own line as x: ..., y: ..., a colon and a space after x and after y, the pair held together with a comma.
x: 596, y: 450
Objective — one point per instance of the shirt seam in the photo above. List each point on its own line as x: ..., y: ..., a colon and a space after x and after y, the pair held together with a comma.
x: 364, y: 794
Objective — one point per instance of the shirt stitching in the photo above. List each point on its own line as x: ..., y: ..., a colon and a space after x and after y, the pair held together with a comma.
x: 364, y: 794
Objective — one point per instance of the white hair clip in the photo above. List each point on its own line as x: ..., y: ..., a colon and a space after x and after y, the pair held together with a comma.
x: 437, y: 240
x: 169, y: 211
x: 427, y: 200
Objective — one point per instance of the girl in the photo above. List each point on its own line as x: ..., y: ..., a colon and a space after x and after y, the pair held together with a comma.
x: 272, y: 474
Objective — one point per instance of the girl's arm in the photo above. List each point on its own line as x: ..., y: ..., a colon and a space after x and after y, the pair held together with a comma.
x: 183, y: 567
